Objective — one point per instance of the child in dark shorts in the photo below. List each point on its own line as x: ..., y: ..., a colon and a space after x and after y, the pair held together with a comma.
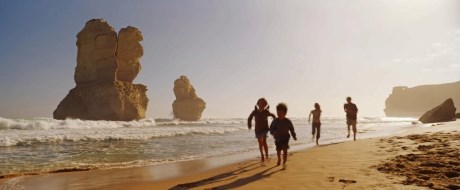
x: 280, y: 128
x: 261, y: 115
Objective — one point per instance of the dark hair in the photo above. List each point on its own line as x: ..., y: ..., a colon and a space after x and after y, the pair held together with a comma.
x: 282, y: 107
x: 348, y: 98
x: 317, y: 106
x: 266, y: 103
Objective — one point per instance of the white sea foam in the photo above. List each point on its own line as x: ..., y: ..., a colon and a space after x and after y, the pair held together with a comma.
x: 45, y: 130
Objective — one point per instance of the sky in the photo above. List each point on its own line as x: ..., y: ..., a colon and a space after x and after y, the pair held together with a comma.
x: 234, y: 52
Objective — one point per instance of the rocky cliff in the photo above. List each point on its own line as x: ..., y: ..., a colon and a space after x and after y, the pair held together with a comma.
x: 107, y: 64
x: 415, y: 101
x: 187, y: 106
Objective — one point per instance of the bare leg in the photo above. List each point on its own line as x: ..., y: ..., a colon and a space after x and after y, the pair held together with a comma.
x: 265, y: 147
x: 261, y: 143
x: 354, y: 131
x: 285, y: 152
x: 318, y: 132
x: 348, y: 136
x: 313, y: 131
x: 278, y: 153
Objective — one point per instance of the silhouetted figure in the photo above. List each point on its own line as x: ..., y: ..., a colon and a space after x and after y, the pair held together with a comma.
x: 316, y: 125
x: 280, y: 129
x: 352, y: 112
x: 261, y: 115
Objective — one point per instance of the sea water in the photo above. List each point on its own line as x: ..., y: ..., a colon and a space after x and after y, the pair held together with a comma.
x: 43, y: 145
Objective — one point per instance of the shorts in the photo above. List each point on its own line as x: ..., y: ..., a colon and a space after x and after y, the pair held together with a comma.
x: 282, y: 144
x: 261, y: 134
x: 351, y: 122
x: 316, y: 128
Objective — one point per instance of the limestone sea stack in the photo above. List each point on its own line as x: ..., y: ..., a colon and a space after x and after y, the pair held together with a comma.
x: 415, y: 101
x: 441, y: 113
x: 187, y: 106
x: 107, y: 64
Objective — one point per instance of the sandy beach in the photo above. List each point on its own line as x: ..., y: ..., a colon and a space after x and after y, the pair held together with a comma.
x: 421, y: 157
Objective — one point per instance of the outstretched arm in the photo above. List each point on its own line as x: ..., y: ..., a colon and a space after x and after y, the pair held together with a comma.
x: 273, y: 128
x: 291, y: 129
x: 272, y: 115
x: 250, y: 119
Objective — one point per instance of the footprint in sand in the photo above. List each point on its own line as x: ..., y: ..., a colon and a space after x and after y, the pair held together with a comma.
x: 347, y: 181
x: 330, y: 179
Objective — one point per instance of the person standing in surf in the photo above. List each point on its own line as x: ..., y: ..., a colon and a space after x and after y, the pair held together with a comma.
x: 261, y: 114
x: 352, y: 112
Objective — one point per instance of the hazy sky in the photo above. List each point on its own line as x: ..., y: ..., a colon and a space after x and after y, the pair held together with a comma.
x: 298, y: 52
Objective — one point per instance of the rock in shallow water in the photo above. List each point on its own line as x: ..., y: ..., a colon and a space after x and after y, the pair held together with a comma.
x: 187, y: 106
x: 441, y: 113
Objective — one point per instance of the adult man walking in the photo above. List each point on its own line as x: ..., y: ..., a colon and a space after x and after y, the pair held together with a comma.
x: 352, y: 112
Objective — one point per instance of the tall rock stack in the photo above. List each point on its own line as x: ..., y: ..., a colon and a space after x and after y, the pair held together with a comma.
x: 187, y: 106
x: 106, y: 66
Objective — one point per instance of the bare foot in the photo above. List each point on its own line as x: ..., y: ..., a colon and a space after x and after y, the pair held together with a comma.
x: 262, y: 159
x: 348, y: 136
x: 284, y: 166
x: 317, y: 144
x: 278, y: 163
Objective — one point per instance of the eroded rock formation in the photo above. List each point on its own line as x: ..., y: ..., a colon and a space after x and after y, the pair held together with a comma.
x: 106, y: 66
x: 441, y: 113
x: 129, y: 52
x: 415, y: 101
x: 187, y: 106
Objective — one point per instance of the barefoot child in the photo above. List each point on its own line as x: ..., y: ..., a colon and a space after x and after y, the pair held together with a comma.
x: 261, y: 114
x: 316, y: 125
x: 280, y: 128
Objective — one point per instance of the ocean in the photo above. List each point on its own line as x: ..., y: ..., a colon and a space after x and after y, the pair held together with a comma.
x: 45, y: 145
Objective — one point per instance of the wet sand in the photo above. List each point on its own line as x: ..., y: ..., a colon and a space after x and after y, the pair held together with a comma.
x: 348, y: 165
x: 381, y: 163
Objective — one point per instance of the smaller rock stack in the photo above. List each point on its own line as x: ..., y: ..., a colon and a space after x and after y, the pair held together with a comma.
x: 187, y: 106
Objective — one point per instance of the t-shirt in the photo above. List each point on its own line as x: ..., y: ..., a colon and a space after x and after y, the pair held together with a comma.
x: 352, y: 110
x: 280, y: 128
x: 261, y: 118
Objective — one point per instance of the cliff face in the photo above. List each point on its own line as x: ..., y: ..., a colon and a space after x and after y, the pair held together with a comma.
x: 187, y: 106
x: 415, y: 101
x: 106, y: 66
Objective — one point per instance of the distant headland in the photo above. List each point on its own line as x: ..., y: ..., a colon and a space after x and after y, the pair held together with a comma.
x: 415, y: 101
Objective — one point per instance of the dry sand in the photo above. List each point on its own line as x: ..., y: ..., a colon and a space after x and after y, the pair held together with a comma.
x: 421, y: 158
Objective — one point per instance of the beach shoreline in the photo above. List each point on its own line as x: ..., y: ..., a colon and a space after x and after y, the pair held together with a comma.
x: 246, y: 171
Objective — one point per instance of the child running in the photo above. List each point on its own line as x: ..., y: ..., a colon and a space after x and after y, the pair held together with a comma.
x: 280, y: 128
x: 261, y: 114
x: 316, y: 125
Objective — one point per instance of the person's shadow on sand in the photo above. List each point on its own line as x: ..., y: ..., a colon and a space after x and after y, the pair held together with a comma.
x: 228, y: 176
x: 247, y: 180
